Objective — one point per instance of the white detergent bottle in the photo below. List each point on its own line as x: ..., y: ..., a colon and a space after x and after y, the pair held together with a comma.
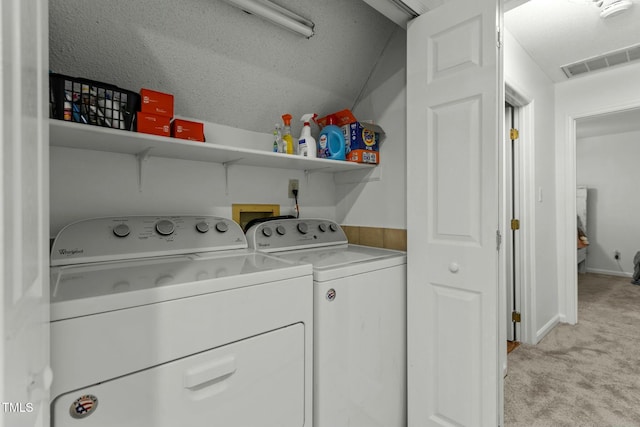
x: 307, y: 143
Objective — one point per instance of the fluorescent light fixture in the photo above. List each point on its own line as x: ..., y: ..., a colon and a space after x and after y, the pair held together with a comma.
x: 276, y: 14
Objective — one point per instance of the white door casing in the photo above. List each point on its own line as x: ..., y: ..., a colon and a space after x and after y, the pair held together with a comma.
x: 513, y: 239
x: 455, y: 113
x: 24, y: 216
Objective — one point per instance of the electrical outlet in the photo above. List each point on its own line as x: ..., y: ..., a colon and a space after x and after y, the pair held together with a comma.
x: 293, y: 185
x: 616, y: 255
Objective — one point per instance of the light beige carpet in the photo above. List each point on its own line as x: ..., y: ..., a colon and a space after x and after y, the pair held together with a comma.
x: 586, y: 374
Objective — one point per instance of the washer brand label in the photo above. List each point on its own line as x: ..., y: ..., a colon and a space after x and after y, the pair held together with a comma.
x: 264, y: 245
x: 71, y: 252
x: 83, y: 406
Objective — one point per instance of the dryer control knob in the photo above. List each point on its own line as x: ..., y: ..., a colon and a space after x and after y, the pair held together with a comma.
x: 303, y: 228
x: 165, y: 227
x: 121, y: 230
x: 222, y: 227
x: 281, y: 230
x: 333, y: 227
x: 267, y: 232
x: 322, y: 227
x: 202, y: 227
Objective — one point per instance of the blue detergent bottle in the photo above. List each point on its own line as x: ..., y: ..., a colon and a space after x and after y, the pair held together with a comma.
x: 331, y: 142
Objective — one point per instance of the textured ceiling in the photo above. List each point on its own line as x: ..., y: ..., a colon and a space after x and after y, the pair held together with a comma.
x: 559, y: 32
x: 221, y: 64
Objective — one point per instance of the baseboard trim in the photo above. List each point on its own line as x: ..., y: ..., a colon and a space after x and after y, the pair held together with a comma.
x: 555, y: 320
x: 609, y: 272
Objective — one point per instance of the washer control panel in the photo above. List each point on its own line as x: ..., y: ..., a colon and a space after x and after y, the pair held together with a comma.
x: 287, y: 234
x: 116, y: 238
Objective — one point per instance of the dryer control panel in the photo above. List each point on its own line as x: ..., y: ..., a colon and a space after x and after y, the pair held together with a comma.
x: 289, y: 234
x: 118, y: 238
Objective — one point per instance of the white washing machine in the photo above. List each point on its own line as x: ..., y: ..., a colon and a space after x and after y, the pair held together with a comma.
x: 172, y: 321
x: 359, y: 321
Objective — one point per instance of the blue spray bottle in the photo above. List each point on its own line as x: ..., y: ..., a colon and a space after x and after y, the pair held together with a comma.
x: 331, y: 142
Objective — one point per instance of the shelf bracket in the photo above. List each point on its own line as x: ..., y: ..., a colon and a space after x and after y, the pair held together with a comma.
x: 141, y: 157
x: 308, y: 172
x: 226, y: 173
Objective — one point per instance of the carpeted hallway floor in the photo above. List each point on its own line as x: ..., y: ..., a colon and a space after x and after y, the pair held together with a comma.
x: 582, y: 375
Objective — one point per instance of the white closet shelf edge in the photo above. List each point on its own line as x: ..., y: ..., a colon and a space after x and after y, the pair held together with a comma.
x: 87, y: 137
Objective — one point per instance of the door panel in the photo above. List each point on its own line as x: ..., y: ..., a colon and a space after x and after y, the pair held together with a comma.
x: 455, y: 117
x: 257, y: 381
x: 24, y: 218
x: 454, y: 219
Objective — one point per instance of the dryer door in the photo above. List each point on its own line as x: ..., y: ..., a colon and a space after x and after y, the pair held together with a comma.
x: 258, y: 381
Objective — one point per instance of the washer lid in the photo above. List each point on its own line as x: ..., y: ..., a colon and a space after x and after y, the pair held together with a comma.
x: 344, y: 260
x: 81, y: 290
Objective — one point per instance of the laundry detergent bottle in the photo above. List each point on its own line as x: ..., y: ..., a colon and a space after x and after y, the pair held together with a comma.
x: 331, y: 142
x: 307, y: 143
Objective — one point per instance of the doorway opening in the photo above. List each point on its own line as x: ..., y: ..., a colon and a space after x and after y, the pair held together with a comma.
x: 570, y: 223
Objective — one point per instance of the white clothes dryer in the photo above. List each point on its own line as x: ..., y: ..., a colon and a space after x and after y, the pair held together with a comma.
x: 359, y: 321
x: 172, y: 321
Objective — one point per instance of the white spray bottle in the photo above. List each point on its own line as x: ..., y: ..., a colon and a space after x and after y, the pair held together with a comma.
x: 307, y: 144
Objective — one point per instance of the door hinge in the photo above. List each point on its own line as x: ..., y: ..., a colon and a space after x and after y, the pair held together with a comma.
x: 499, y: 38
x: 514, y: 134
x: 498, y: 240
x: 515, y: 316
x: 515, y: 224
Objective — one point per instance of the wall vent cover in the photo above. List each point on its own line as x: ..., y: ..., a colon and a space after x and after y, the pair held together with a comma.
x: 610, y: 59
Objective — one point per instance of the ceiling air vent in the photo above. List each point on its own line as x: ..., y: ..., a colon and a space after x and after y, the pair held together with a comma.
x: 610, y: 59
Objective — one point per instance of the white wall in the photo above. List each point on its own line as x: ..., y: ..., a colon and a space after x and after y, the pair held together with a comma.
x: 540, y: 300
x: 233, y: 69
x: 85, y: 183
x: 608, y: 166
x: 592, y: 94
x: 381, y: 201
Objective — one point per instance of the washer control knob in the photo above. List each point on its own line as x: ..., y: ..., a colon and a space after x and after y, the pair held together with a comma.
x: 281, y: 230
x: 222, y: 226
x: 267, y: 232
x: 165, y: 227
x: 165, y: 279
x: 303, y: 227
x: 121, y: 230
x: 322, y: 227
x: 333, y: 227
x: 202, y: 227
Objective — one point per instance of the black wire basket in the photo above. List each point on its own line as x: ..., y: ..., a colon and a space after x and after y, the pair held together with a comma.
x: 90, y: 102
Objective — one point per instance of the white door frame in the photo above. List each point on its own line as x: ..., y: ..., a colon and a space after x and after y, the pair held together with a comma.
x: 526, y: 262
x: 567, y: 223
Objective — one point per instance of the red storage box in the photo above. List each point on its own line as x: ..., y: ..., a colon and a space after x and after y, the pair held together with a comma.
x: 153, y: 124
x: 185, y: 129
x: 158, y: 103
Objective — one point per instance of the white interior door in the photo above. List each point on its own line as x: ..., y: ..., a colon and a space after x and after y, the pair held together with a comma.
x: 24, y: 217
x: 455, y: 110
